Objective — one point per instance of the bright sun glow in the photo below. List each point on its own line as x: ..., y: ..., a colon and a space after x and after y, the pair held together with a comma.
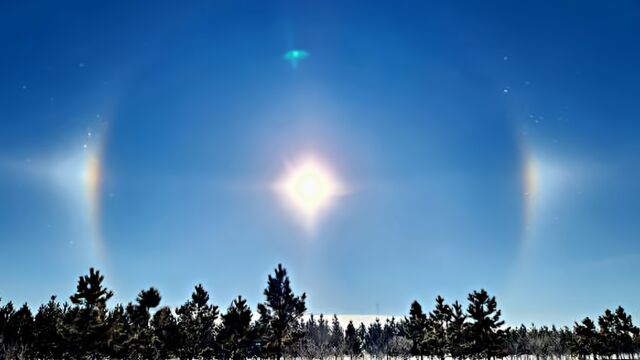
x: 310, y: 188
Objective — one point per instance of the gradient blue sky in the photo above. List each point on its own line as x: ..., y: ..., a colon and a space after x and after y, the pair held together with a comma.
x: 433, y: 113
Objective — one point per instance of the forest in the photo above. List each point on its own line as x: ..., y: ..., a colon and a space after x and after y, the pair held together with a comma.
x: 87, y: 327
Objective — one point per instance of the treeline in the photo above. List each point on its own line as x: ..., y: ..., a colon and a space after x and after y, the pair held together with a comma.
x: 85, y: 328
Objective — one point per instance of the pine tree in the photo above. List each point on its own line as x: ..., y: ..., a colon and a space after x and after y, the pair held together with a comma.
x: 165, y: 333
x: 485, y: 334
x: 8, y: 336
x: 362, y: 335
x: 146, y: 300
x: 141, y: 341
x: 400, y: 345
x: 49, y: 343
x: 374, y: 339
x: 307, y: 346
x: 415, y: 329
x: 565, y: 340
x: 540, y: 342
x: 336, y: 339
x: 6, y: 311
x: 119, y: 333
x: 89, y: 292
x: 353, y: 345
x: 625, y: 332
x: 585, y: 339
x: 19, y: 333
x: 280, y: 314
x: 302, y: 346
x: 236, y: 335
x: 315, y: 343
x: 73, y: 346
x: 196, y: 319
x: 607, y: 344
x: 436, y: 337
x: 323, y: 335
x: 511, y: 343
x: 389, y: 332
x: 86, y: 328
x: 457, y: 332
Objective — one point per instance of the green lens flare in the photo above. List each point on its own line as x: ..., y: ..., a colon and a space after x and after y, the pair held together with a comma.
x: 294, y: 56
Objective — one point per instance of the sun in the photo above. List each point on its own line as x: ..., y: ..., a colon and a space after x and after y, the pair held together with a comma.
x: 310, y: 187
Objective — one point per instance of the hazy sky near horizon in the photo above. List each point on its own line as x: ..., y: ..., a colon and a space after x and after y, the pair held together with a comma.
x: 483, y: 144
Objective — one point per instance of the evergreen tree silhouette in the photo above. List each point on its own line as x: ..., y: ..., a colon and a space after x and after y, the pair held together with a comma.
x: 625, y: 333
x: 398, y: 343
x: 89, y: 292
x: 6, y: 311
x: 87, y: 330
x: 280, y: 314
x: 141, y: 340
x: 415, y: 329
x: 165, y: 333
x: 315, y: 343
x: 336, y: 339
x: 374, y: 339
x: 586, y: 339
x: 120, y: 332
x: 353, y: 345
x: 457, y: 331
x: 511, y: 342
x: 438, y: 321
x: 73, y: 347
x: 322, y: 337
x: 18, y: 339
x: 521, y: 344
x: 8, y: 334
x: 362, y: 335
x: 236, y: 335
x: 389, y: 332
x: 485, y: 335
x: 86, y: 326
x: 196, y: 319
x: 307, y: 346
x: 607, y: 339
x: 540, y: 342
x: 565, y: 339
x: 49, y: 343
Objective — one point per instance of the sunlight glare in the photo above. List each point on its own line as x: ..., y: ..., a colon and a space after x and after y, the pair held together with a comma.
x: 310, y: 187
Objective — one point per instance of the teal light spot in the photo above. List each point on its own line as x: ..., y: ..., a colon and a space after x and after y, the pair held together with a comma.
x: 294, y: 56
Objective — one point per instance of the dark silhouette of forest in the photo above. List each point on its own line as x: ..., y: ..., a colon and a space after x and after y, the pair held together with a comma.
x: 86, y: 328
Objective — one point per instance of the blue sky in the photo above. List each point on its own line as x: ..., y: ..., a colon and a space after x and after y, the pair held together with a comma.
x: 484, y: 145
